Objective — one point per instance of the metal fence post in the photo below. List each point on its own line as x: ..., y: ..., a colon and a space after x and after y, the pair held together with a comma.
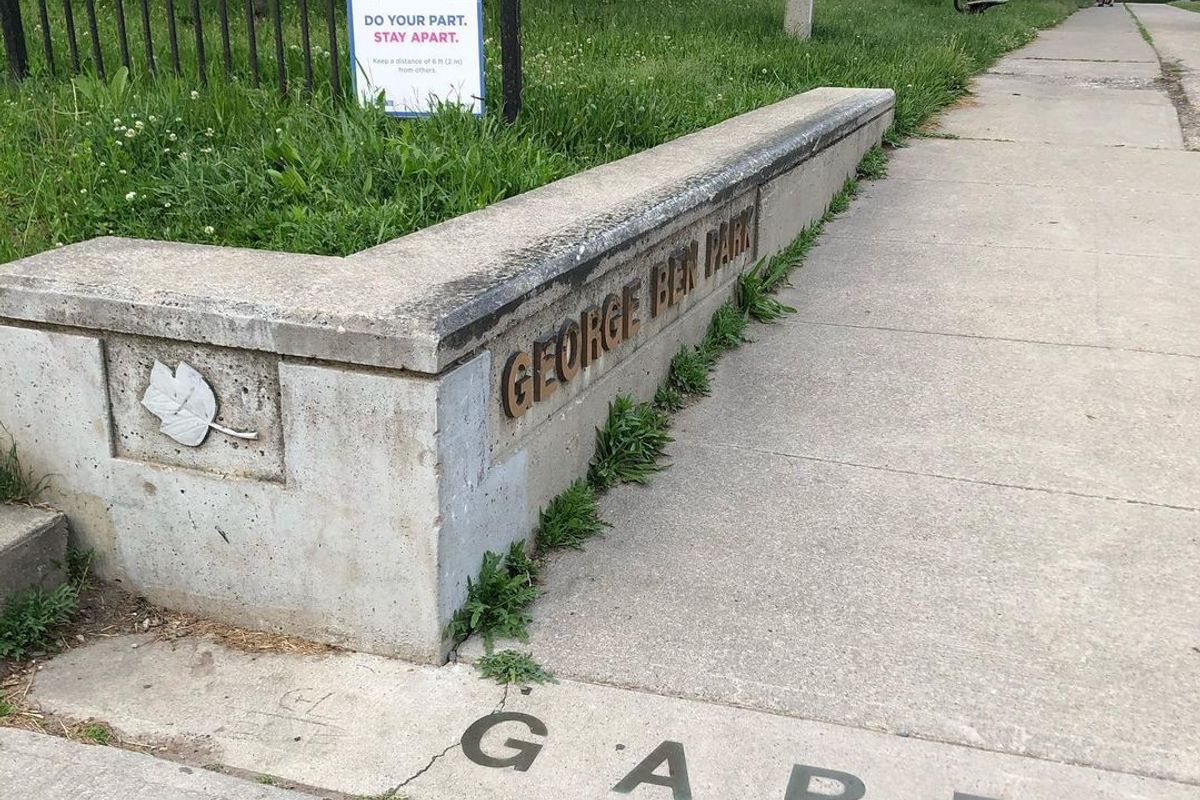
x: 14, y: 38
x: 510, y: 56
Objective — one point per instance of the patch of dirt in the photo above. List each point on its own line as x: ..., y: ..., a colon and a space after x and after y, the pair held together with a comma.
x: 106, y: 610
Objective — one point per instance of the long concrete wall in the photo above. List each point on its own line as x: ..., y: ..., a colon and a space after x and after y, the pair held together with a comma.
x: 413, y: 405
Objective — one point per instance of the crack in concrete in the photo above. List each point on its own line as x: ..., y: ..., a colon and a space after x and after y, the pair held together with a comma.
x: 941, y: 476
x: 439, y: 756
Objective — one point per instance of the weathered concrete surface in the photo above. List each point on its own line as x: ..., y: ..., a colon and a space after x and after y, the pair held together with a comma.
x: 367, y: 725
x: 954, y: 496
x: 35, y: 766
x: 1176, y: 39
x: 33, y: 549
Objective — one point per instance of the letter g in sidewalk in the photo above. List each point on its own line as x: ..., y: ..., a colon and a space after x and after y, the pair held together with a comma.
x: 800, y: 785
x: 525, y: 753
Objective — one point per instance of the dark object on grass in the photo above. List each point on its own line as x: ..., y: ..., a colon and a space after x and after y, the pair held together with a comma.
x: 976, y: 6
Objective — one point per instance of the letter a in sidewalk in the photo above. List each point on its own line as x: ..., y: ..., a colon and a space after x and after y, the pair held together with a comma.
x: 799, y: 787
x: 521, y: 760
x: 677, y: 774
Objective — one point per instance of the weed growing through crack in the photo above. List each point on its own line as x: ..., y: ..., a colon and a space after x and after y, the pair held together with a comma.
x: 497, y: 599
x: 7, y: 709
x: 28, y: 619
x: 727, y: 329
x: 668, y: 398
x: 510, y: 666
x: 571, y: 518
x: 16, y: 484
x: 874, y: 164
x: 96, y: 734
x: 629, y: 444
x: 689, y: 371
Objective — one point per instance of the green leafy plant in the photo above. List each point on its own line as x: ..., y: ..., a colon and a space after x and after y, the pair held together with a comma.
x: 7, y: 710
x: 668, y: 398
x: 571, y: 518
x: 97, y: 733
x: 629, y: 444
x: 497, y: 599
x: 509, y: 666
x: 690, y: 370
x: 727, y: 329
x: 874, y: 164
x: 30, y: 617
x: 16, y: 484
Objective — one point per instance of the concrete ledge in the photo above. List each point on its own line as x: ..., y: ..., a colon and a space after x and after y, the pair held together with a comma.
x: 412, y: 406
x: 438, y: 295
x: 33, y: 549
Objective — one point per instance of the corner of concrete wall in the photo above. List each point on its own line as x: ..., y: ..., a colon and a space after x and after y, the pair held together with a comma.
x: 482, y: 505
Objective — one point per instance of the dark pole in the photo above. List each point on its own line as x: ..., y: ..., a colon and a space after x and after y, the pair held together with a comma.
x: 510, y: 56
x: 14, y: 38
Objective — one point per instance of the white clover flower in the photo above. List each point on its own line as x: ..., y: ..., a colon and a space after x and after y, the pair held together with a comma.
x: 121, y: 171
x: 167, y: 204
x: 278, y: 131
x: 116, y: 120
x: 184, y: 156
x: 120, y: 143
x: 83, y: 191
x: 131, y: 197
x: 58, y: 244
x: 179, y: 119
x: 153, y: 118
x: 209, y: 230
x: 130, y: 133
x: 166, y: 150
x: 104, y: 163
x: 205, y: 150
x: 195, y: 95
x: 209, y: 132
x: 171, y: 137
x: 139, y: 125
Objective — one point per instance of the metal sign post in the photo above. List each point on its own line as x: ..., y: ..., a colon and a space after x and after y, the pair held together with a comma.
x: 510, y: 56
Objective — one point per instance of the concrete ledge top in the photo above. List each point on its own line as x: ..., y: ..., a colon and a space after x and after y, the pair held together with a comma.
x: 18, y: 521
x: 425, y: 300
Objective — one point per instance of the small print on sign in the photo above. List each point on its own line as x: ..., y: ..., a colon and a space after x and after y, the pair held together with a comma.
x: 417, y: 54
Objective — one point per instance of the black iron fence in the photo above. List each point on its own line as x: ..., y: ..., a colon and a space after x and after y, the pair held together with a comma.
x: 256, y: 40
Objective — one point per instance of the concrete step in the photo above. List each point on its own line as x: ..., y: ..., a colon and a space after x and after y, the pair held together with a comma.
x: 42, y: 767
x: 33, y: 549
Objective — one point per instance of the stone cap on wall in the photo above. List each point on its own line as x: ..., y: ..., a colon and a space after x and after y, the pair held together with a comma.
x: 425, y: 300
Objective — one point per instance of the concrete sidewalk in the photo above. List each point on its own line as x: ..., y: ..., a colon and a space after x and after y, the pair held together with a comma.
x: 956, y: 495
x: 936, y: 536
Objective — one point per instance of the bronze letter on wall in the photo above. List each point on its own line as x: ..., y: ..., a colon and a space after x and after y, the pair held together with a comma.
x: 516, y: 395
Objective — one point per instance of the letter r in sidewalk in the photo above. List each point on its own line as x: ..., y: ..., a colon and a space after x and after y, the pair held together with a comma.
x: 800, y: 785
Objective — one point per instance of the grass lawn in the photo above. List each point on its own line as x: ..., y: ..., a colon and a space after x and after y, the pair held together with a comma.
x: 1187, y: 5
x: 230, y: 164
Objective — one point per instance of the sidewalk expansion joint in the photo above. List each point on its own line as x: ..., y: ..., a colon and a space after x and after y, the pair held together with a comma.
x: 998, y: 246
x: 1011, y: 339
x: 957, y: 478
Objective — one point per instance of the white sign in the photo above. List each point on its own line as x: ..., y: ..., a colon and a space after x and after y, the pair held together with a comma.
x: 418, y: 53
